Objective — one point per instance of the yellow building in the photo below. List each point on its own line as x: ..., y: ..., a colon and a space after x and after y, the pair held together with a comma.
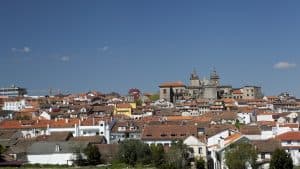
x: 124, y: 109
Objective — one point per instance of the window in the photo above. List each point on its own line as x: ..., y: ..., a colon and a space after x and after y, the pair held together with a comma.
x: 200, y: 150
x: 173, y: 135
x: 164, y: 91
x: 163, y: 135
x: 289, y: 142
x: 57, y: 148
x: 263, y: 156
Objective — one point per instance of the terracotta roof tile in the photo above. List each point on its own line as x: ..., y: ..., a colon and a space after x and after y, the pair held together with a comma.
x: 172, y: 84
x: 289, y: 136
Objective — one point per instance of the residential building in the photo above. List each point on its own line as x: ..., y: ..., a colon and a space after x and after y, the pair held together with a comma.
x: 13, y: 91
x: 290, y: 141
x: 197, y: 147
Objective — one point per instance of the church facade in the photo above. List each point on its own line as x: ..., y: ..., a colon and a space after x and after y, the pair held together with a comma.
x: 209, y: 89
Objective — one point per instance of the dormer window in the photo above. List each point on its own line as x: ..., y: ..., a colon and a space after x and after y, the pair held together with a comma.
x: 57, y: 148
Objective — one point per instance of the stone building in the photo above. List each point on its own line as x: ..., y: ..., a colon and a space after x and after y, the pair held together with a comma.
x: 172, y: 91
x: 206, y: 89
x: 209, y: 89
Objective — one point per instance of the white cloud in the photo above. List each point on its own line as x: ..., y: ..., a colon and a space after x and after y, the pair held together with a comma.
x: 104, y: 48
x: 284, y: 65
x: 25, y: 49
x: 14, y: 49
x: 65, y: 58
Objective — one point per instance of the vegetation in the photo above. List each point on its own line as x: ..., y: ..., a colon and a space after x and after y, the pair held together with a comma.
x: 93, y: 155
x: 281, y: 160
x: 133, y: 152
x: 240, y: 156
x: 154, y: 97
x: 178, y: 157
x: 158, y: 153
x: 138, y: 102
x: 200, y: 163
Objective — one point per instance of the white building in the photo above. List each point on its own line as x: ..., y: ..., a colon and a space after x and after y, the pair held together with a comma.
x: 198, y: 147
x: 56, y: 153
x: 290, y: 141
x: 14, y: 105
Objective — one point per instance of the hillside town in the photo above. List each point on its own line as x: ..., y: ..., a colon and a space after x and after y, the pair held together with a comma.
x: 205, y: 115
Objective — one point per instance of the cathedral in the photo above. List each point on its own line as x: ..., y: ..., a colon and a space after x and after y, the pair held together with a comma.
x: 205, y: 88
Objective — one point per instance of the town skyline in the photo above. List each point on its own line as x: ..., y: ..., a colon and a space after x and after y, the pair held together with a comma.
x: 115, y: 46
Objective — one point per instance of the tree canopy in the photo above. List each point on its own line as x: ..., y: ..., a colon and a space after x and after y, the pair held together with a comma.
x: 93, y: 155
x: 134, y: 151
x: 240, y: 156
x: 178, y: 157
x: 281, y: 160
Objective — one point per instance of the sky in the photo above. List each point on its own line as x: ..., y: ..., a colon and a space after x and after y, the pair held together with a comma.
x: 110, y: 45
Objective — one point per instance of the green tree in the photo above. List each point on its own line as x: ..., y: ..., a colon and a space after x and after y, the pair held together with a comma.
x: 157, y: 152
x: 178, y: 157
x: 200, y: 163
x: 139, y: 102
x: 154, y: 97
x: 281, y: 160
x: 134, y: 151
x: 93, y: 155
x: 240, y: 155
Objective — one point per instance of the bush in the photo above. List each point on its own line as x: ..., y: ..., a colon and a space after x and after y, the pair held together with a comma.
x: 134, y: 151
x: 93, y: 154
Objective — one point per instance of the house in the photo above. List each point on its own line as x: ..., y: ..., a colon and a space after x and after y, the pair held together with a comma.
x: 122, y: 130
x: 290, y: 141
x: 252, y: 132
x: 197, y: 147
x: 14, y: 104
x: 165, y: 134
x: 124, y: 109
x: 265, y: 148
x: 216, y: 152
x: 54, y: 152
x: 171, y: 91
x: 265, y: 116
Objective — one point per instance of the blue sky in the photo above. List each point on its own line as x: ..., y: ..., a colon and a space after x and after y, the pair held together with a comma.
x: 110, y: 45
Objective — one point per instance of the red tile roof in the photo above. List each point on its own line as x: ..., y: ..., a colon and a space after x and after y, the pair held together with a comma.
x: 172, y: 84
x: 168, y: 132
x: 123, y: 105
x: 289, y: 136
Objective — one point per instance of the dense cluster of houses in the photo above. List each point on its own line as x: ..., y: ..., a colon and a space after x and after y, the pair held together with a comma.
x: 52, y: 129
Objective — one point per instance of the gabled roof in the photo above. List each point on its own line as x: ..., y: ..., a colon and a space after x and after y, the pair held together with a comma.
x: 289, y: 136
x: 266, y: 146
x: 168, y: 132
x: 250, y: 130
x: 47, y: 147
